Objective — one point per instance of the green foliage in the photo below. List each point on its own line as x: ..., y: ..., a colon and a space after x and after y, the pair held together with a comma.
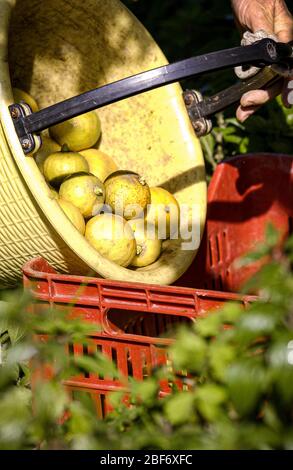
x: 27, y: 424
x: 235, y: 367
x: 240, y: 379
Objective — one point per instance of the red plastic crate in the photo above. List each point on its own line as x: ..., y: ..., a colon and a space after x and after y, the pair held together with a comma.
x: 131, y: 317
x: 244, y: 195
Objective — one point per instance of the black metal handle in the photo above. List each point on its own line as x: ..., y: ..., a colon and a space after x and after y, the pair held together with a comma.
x: 201, y: 109
x: 231, y: 95
x: 264, y: 52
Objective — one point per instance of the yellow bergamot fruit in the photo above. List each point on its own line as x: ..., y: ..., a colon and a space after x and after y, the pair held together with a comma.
x: 84, y: 191
x: 48, y: 147
x: 127, y: 194
x: 148, y: 246
x: 73, y: 214
x: 163, y: 212
x: 100, y: 164
x: 22, y: 96
x: 79, y: 133
x: 59, y: 165
x: 112, y: 237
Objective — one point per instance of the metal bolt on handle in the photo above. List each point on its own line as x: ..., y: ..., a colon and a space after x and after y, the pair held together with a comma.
x: 264, y: 52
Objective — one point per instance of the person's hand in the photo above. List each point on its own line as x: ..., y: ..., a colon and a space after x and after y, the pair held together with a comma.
x: 273, y: 17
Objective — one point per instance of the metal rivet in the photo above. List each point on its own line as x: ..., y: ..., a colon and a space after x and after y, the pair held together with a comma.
x: 15, y: 113
x: 188, y: 99
x: 271, y: 50
x: 25, y: 144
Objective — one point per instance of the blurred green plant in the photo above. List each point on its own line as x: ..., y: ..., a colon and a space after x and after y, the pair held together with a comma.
x: 236, y: 367
x: 29, y: 424
x: 240, y: 373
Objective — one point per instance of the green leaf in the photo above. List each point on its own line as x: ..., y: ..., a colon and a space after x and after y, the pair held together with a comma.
x: 209, y: 326
x: 209, y: 400
x: 244, y: 145
x: 180, y: 409
x: 50, y: 403
x: 235, y: 123
x: 235, y: 139
x: 259, y: 252
x: 116, y: 400
x: 254, y: 324
x: 271, y: 279
x: 226, y: 131
x: 280, y: 357
x: 82, y: 414
x: 271, y: 418
x: 230, y: 313
x: 84, y: 400
x: 15, y: 416
x: 221, y: 355
x: 146, y: 391
x: 289, y: 248
x: 96, y: 364
x: 8, y: 375
x: 272, y: 235
x: 253, y: 435
x: 208, y: 145
x: 189, y: 352
x: 246, y: 381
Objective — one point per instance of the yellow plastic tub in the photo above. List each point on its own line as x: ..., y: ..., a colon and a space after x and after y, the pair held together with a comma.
x: 55, y: 49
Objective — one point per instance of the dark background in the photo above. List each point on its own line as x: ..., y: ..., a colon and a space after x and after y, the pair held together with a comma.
x: 191, y: 27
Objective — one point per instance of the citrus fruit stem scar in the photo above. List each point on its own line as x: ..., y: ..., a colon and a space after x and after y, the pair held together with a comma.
x: 98, y: 191
x: 65, y: 148
x: 142, y: 180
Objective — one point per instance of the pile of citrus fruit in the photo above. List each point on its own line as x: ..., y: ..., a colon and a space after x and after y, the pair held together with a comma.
x: 119, y: 214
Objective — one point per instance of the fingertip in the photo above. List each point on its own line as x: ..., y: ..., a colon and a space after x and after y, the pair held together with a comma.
x: 243, y: 113
x: 247, y: 99
x: 255, y: 98
x: 239, y: 114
